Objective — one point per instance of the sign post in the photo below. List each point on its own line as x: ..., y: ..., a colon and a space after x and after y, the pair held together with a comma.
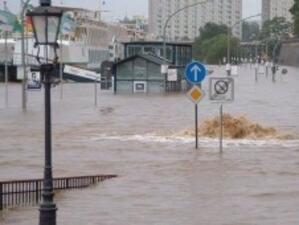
x: 256, y: 67
x: 196, y: 126
x: 164, y: 71
x: 195, y: 74
x: 96, y: 92
x: 221, y: 91
x: 221, y: 128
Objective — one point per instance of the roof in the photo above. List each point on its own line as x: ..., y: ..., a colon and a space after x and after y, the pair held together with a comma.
x: 189, y: 43
x: 291, y: 40
x: 67, y: 8
x: 152, y: 58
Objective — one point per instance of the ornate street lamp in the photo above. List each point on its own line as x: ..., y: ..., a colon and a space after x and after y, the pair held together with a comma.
x: 46, y: 26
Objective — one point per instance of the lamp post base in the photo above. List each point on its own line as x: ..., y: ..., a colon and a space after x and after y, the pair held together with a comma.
x: 47, y: 215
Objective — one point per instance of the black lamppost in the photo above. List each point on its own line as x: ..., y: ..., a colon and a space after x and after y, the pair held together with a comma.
x: 46, y: 26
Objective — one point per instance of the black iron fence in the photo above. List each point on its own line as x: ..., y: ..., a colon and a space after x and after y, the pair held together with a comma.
x: 29, y: 192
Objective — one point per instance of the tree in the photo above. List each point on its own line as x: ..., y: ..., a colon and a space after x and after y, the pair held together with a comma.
x: 295, y: 11
x: 211, y: 45
x: 211, y: 30
x: 276, y: 29
x: 250, y: 31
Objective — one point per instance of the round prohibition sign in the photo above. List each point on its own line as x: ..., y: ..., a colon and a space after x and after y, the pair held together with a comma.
x: 221, y: 87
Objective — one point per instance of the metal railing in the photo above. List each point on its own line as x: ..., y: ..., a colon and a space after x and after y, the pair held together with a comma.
x: 29, y: 192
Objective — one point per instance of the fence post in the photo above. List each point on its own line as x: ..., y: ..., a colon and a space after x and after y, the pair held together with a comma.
x: 1, y: 196
x: 36, y: 191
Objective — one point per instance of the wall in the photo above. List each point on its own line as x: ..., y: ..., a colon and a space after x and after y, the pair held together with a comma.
x: 289, y: 53
x: 139, y: 70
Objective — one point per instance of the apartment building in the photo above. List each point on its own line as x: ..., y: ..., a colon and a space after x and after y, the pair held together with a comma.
x: 276, y: 8
x: 186, y: 24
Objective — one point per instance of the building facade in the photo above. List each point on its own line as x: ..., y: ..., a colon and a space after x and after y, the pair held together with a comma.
x: 185, y: 25
x: 177, y: 53
x: 141, y: 69
x: 276, y: 8
x: 139, y: 74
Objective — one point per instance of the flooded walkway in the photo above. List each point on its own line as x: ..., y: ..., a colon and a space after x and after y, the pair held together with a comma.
x: 162, y: 179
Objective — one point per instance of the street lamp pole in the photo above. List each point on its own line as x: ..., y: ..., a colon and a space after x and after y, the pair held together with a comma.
x: 229, y: 34
x: 274, y: 66
x: 170, y: 17
x: 46, y: 26
x: 48, y: 208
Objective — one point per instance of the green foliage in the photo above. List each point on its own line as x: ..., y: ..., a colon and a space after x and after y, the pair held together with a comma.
x: 250, y: 30
x: 211, y: 45
x: 276, y: 29
x: 211, y: 30
x: 295, y: 11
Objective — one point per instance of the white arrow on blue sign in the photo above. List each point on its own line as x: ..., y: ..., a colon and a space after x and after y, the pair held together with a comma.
x: 195, y: 72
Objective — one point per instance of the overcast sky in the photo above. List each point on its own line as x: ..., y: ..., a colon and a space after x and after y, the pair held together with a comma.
x: 120, y: 8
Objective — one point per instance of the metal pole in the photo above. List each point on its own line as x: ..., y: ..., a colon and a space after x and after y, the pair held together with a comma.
x: 171, y: 16
x: 24, y: 82
x: 228, y: 46
x: 164, y: 41
x: 1, y: 196
x: 273, y: 72
x: 47, y: 208
x: 267, y: 49
x: 256, y: 53
x: 61, y: 69
x: 47, y: 215
x: 6, y: 71
x: 230, y: 29
x: 221, y: 129
x: 196, y: 126
x: 274, y: 67
x: 96, y: 92
x: 256, y: 72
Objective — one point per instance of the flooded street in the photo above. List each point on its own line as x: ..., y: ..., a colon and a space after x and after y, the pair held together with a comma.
x: 162, y: 179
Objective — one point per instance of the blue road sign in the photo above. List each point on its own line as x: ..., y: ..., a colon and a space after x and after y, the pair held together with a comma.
x: 195, y: 72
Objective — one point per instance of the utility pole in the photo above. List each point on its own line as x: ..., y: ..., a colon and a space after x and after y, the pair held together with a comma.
x: 6, y: 70
x: 172, y: 16
x: 24, y: 82
x: 5, y: 63
x: 61, y: 62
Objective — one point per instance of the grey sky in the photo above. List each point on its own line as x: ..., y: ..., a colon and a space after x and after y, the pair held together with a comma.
x: 120, y: 8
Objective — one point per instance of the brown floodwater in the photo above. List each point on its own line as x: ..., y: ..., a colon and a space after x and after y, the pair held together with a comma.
x: 162, y: 179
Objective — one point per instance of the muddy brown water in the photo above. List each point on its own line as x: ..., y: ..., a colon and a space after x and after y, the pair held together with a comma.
x: 162, y: 179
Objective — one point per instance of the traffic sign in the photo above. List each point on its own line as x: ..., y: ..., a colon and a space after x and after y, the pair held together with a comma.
x: 222, y: 89
x: 195, y: 72
x: 195, y: 94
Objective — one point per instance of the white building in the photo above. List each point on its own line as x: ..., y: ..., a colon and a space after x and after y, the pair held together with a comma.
x: 277, y: 8
x: 185, y: 25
